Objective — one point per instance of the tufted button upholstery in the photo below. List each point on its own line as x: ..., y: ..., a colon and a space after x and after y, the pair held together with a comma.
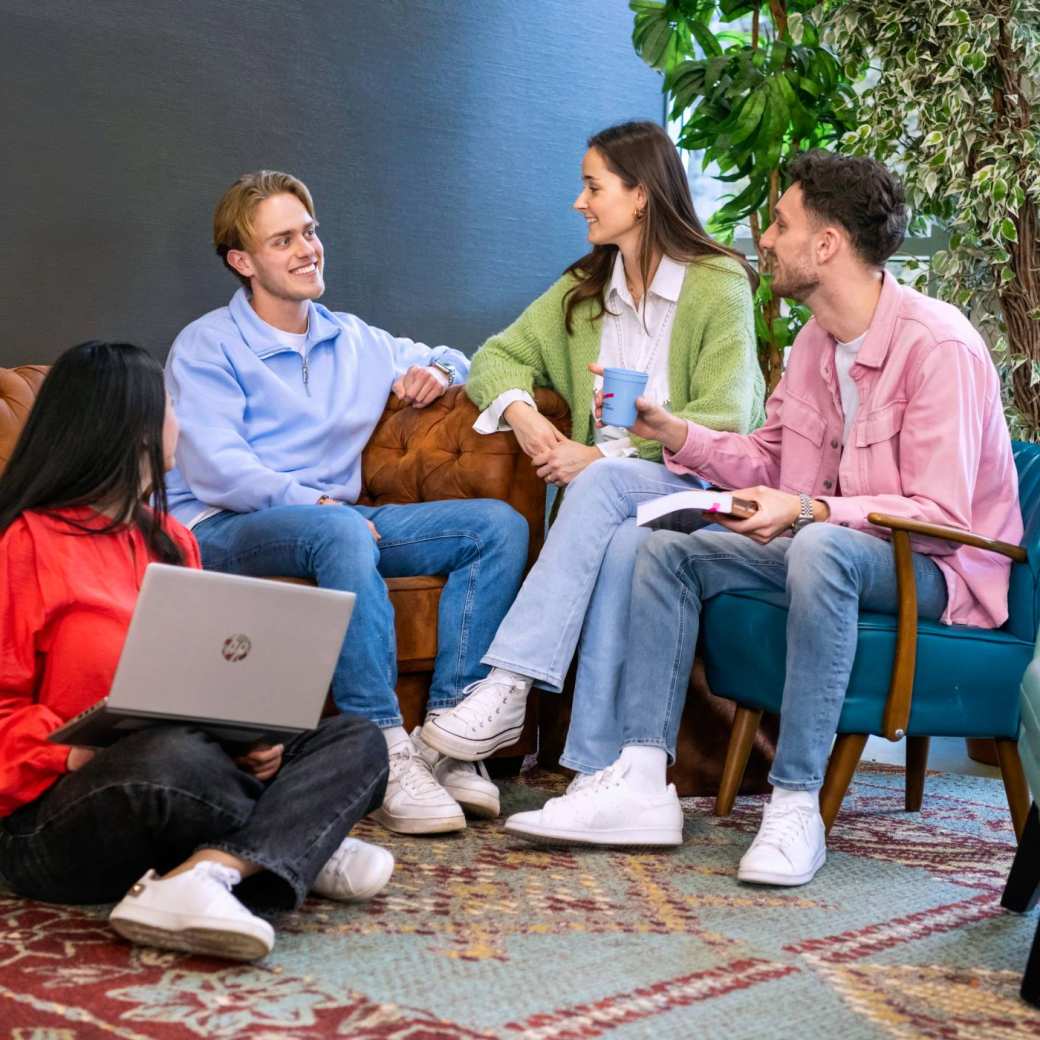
x: 18, y: 389
x: 421, y: 454
x: 414, y: 455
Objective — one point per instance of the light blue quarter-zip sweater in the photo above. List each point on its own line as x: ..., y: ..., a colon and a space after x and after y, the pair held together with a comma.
x: 264, y: 425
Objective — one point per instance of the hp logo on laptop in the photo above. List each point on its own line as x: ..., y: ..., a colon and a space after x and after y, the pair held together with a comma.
x: 236, y: 647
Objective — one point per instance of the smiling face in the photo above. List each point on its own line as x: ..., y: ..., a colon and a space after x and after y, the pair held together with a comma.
x: 608, y: 205
x: 792, y: 242
x: 285, y: 260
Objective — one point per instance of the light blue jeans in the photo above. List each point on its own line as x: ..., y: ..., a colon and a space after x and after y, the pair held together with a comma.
x: 579, y: 590
x: 480, y: 545
x: 828, y: 574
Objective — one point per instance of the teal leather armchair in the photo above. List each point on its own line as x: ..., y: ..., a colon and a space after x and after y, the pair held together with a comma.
x: 911, y: 677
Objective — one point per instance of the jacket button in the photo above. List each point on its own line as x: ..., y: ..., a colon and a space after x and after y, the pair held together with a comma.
x: 828, y: 484
x: 835, y: 443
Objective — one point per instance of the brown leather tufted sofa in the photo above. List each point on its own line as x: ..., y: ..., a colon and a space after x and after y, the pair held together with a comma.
x: 414, y: 455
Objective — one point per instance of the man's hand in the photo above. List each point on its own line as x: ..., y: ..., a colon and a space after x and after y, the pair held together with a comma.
x: 420, y: 386
x: 652, y: 423
x: 777, y: 510
x: 562, y: 463
x: 534, y: 433
x: 78, y: 758
x: 262, y: 762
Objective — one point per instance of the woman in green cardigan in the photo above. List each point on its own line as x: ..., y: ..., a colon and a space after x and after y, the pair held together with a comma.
x: 657, y: 294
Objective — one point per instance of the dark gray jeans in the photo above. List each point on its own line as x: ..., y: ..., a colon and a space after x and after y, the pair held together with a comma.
x: 155, y: 797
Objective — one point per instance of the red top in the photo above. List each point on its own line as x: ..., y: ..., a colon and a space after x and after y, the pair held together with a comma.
x: 65, y: 603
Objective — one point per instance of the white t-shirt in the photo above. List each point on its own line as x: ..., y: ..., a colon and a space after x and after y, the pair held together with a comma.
x: 844, y: 359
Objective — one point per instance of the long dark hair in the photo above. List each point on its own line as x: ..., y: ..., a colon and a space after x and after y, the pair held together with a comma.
x: 94, y: 438
x: 641, y: 153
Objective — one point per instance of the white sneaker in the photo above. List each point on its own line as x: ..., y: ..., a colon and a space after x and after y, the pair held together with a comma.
x: 605, y: 811
x: 791, y: 845
x: 355, y: 871
x: 580, y: 780
x: 193, y: 911
x: 491, y: 717
x: 415, y: 803
x: 467, y: 782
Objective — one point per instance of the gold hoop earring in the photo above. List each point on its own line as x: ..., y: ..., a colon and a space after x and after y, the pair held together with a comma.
x: 640, y: 213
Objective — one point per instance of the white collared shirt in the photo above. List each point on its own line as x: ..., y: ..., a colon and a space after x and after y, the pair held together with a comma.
x: 631, y: 337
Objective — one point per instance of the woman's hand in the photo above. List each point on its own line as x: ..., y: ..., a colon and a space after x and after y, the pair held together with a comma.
x: 534, y: 433
x: 78, y: 758
x: 562, y: 463
x: 420, y: 386
x: 262, y: 762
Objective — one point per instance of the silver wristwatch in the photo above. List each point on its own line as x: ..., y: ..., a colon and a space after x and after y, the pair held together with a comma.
x: 805, y: 514
x: 448, y: 370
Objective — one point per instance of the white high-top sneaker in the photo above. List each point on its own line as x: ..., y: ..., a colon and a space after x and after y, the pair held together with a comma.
x: 194, y: 911
x: 415, y: 803
x: 467, y: 782
x: 791, y: 845
x: 605, y: 810
x: 356, y: 870
x: 491, y: 717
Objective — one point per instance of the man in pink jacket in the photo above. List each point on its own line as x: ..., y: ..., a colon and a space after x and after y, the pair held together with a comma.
x: 889, y: 403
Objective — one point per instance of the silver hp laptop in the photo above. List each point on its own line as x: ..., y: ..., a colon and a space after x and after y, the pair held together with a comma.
x: 247, y: 659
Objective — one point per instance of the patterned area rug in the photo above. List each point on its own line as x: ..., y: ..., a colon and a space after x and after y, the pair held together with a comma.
x: 481, y: 936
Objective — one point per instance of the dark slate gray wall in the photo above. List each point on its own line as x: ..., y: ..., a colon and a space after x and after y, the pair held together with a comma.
x: 441, y: 139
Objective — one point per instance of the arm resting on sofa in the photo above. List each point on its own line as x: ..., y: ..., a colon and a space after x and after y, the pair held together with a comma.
x: 901, y: 687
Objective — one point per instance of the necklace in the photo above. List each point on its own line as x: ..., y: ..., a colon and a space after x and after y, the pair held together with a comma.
x: 647, y: 360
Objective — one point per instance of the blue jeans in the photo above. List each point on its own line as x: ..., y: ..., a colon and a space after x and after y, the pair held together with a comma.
x: 156, y: 796
x: 480, y: 545
x: 827, y: 573
x: 579, y: 590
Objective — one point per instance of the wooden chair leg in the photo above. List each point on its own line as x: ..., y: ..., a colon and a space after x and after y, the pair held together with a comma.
x: 741, y: 739
x: 848, y: 749
x: 1014, y: 783
x: 916, y: 764
x: 1023, y: 883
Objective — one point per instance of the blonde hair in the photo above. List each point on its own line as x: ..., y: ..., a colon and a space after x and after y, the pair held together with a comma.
x: 233, y: 217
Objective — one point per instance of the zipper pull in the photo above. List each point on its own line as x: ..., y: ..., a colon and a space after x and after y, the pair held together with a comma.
x: 306, y: 374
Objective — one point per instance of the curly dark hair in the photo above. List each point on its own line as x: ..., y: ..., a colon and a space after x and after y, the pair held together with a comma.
x: 860, y: 194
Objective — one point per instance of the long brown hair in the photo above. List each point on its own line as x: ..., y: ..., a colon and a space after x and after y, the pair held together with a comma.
x: 641, y: 153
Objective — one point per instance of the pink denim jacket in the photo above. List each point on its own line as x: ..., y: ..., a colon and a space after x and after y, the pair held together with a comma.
x: 929, y: 442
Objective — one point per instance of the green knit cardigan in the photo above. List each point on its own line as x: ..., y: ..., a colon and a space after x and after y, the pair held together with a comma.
x: 713, y: 373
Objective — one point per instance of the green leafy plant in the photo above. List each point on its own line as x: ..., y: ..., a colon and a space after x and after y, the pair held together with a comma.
x: 954, y: 103
x: 748, y: 99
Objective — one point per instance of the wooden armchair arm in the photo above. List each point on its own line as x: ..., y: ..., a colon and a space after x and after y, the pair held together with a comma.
x: 948, y: 534
x: 901, y: 688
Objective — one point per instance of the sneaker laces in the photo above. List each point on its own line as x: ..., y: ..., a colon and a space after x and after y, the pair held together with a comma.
x: 612, y: 776
x: 484, y: 700
x: 338, y: 862
x: 412, y: 771
x: 222, y: 874
x: 781, y: 824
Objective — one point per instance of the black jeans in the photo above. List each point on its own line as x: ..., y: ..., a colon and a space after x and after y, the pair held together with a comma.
x: 155, y: 797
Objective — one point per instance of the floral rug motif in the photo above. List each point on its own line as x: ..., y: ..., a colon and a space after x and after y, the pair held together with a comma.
x: 480, y: 936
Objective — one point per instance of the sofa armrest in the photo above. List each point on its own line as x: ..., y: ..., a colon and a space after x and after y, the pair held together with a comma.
x: 424, y: 454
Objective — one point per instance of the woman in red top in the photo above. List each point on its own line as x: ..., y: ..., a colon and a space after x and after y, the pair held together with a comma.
x: 79, y: 826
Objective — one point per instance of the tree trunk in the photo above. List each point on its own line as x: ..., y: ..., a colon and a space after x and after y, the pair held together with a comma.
x: 1020, y: 301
